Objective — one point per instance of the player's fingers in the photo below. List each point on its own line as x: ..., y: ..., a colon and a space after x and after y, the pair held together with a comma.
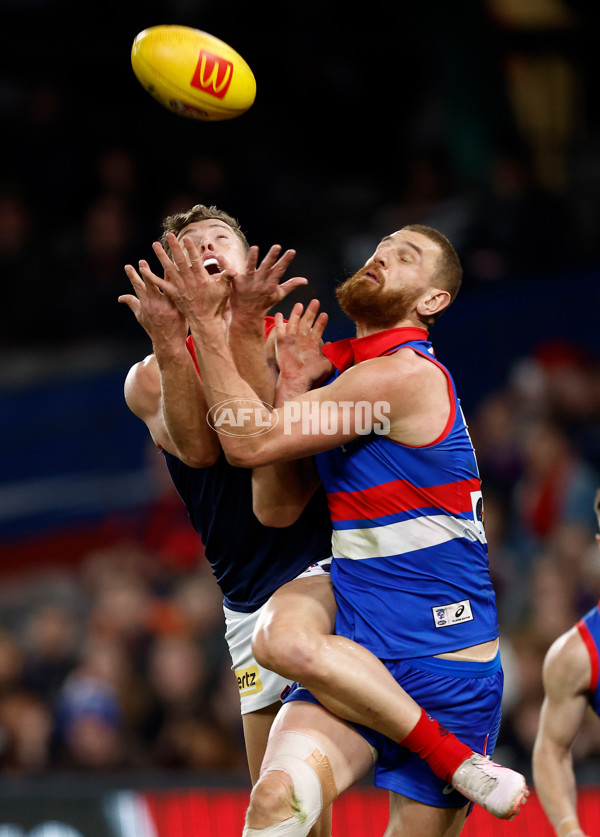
x: 290, y: 285
x: 153, y: 283
x: 319, y: 325
x: 132, y: 302
x: 277, y: 270
x: 280, y: 326
x: 177, y: 252
x: 195, y: 259
x: 294, y: 318
x: 271, y: 258
x: 308, y: 318
x: 136, y: 280
x: 251, y: 260
x: 165, y: 260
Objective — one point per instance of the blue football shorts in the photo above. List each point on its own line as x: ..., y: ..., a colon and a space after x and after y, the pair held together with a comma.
x: 465, y: 697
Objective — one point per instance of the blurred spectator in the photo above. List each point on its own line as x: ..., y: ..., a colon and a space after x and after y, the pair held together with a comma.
x: 25, y: 732
x: 185, y: 732
x: 11, y: 663
x: 494, y: 432
x: 554, y: 488
x: 89, y: 725
x: 51, y: 644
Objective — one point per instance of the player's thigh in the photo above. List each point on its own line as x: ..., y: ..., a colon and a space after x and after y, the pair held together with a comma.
x: 305, y: 603
x: 409, y: 817
x: 341, y: 755
x: 256, y: 726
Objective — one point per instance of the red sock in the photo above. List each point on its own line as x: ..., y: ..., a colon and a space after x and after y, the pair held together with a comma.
x: 440, y: 748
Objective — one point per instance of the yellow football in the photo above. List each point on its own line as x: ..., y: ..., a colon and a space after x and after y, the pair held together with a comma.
x: 193, y: 73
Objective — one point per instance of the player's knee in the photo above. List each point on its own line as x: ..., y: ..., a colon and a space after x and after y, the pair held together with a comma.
x: 293, y: 654
x: 288, y: 797
x: 272, y: 800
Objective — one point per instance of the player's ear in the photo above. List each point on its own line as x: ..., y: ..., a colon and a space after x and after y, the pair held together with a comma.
x: 433, y: 303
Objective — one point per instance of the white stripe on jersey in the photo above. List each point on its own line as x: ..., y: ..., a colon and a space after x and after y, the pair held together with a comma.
x: 401, y: 537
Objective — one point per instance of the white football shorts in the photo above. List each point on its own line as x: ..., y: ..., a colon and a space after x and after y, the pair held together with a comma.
x: 258, y: 686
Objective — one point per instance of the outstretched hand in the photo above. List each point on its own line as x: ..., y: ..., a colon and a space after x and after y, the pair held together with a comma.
x: 153, y: 310
x: 256, y: 290
x: 298, y: 347
x: 196, y: 294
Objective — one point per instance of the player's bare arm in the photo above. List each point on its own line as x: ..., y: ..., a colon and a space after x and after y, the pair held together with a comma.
x: 253, y: 293
x: 142, y: 395
x: 178, y: 411
x: 566, y: 674
x: 281, y: 491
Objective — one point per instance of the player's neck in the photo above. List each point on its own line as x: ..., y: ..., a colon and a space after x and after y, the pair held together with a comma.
x: 365, y: 329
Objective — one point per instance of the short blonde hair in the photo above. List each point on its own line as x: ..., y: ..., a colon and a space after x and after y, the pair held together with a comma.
x: 177, y: 222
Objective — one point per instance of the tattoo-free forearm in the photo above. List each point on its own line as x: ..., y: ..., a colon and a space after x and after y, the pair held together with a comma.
x: 247, y: 344
x: 184, y: 408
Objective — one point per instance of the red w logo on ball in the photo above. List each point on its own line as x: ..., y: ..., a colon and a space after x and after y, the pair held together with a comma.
x: 213, y: 74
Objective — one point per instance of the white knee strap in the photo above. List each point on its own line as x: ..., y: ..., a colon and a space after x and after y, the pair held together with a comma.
x: 291, y: 749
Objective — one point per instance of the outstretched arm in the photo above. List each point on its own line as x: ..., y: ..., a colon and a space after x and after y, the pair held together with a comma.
x: 253, y: 293
x: 566, y: 675
x: 281, y: 491
x: 165, y: 390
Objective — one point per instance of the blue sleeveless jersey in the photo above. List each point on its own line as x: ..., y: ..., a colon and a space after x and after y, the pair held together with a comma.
x: 410, y: 569
x: 249, y: 560
x: 589, y: 630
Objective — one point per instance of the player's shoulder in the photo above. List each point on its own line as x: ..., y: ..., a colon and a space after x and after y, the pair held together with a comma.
x: 405, y: 369
x: 567, y: 662
x: 142, y: 382
x: 145, y: 372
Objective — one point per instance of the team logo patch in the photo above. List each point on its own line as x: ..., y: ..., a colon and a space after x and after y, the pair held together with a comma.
x: 452, y: 614
x: 248, y: 680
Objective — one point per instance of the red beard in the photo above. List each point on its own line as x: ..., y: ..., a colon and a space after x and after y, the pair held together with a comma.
x: 369, y: 303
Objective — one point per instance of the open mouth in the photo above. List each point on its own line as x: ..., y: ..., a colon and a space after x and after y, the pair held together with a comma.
x: 372, y: 277
x: 212, y: 266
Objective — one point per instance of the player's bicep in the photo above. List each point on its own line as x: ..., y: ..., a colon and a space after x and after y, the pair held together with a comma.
x: 566, y: 677
x: 143, y: 397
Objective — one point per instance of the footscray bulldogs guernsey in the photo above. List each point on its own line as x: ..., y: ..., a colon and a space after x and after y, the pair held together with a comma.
x: 410, y: 569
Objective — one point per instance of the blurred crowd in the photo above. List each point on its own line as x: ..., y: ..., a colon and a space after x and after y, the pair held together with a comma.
x: 121, y: 664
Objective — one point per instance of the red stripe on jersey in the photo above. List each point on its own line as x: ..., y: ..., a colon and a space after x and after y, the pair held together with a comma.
x: 400, y: 496
x: 592, y: 651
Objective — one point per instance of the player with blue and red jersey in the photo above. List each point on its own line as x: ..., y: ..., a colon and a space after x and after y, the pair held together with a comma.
x: 571, y: 677
x: 383, y: 495
x: 409, y: 565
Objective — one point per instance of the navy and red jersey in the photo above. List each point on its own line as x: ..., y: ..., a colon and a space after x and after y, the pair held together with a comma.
x: 589, y: 630
x: 410, y: 563
x: 250, y: 561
